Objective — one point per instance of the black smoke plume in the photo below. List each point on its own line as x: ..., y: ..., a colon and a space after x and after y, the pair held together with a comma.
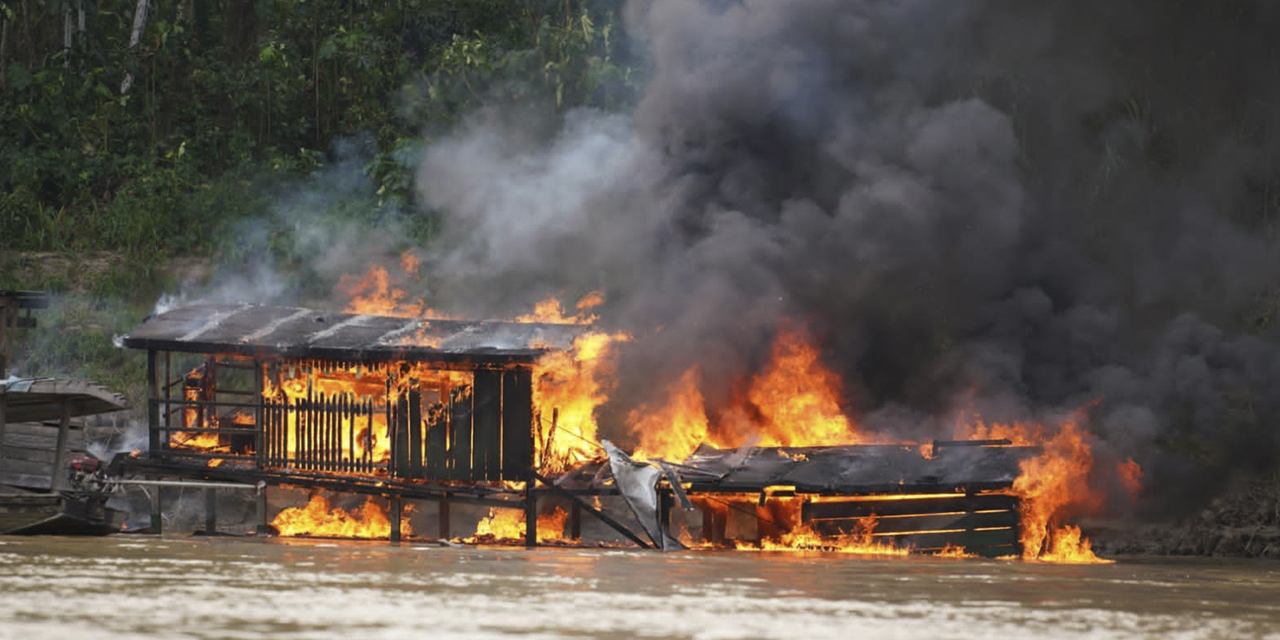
x: 1010, y: 208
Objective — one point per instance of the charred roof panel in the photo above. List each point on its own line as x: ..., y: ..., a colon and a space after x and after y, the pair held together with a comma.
x: 295, y: 332
x: 852, y: 469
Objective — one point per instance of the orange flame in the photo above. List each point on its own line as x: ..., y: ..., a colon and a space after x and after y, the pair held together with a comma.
x: 677, y: 428
x: 507, y: 525
x: 797, y: 397
x: 793, y: 401
x: 568, y: 387
x: 550, y: 310
x: 360, y: 438
x: 1049, y: 484
x: 1131, y: 477
x: 321, y: 519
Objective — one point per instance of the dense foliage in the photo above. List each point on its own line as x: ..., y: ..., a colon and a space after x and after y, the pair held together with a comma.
x: 151, y: 149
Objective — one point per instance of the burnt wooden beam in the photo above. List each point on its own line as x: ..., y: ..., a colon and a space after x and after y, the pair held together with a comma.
x: 530, y: 516
x: 397, y: 511
x: 599, y: 514
x: 517, y: 422
x: 444, y: 524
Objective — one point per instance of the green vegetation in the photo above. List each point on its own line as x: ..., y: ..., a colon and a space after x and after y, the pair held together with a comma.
x: 122, y: 154
x: 156, y: 149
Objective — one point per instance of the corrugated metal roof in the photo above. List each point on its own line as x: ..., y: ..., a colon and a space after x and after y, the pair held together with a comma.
x: 38, y: 399
x: 854, y: 469
x: 295, y: 332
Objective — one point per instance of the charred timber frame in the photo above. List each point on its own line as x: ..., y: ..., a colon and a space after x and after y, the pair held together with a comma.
x: 470, y: 442
x: 484, y: 435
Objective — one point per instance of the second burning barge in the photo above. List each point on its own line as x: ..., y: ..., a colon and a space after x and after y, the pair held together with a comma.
x: 445, y: 411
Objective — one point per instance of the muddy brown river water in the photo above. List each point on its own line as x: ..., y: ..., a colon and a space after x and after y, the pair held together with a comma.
x: 175, y: 587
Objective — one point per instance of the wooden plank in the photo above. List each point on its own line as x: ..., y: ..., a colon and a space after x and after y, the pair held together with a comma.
x: 517, y: 423
x: 973, y: 541
x: 27, y: 480
x: 855, y: 508
x: 400, y: 445
x: 486, y: 443
x: 437, y: 445
x: 415, y: 433
x: 40, y: 428
x: 42, y: 454
x: 907, y: 524
x: 460, y: 431
x: 28, y: 467
x: 40, y: 442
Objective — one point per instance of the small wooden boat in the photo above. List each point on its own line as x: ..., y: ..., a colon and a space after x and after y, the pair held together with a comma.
x: 43, y: 488
x: 70, y: 514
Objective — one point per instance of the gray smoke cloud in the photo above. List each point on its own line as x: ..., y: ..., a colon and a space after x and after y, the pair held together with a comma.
x: 1015, y: 208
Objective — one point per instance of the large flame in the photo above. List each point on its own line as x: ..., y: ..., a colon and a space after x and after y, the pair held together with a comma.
x: 568, y: 388
x: 507, y: 525
x: 360, y: 438
x: 793, y: 401
x: 1050, y: 485
x: 318, y: 518
x: 804, y: 538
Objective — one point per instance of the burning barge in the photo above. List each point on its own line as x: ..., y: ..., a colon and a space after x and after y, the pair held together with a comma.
x: 444, y: 411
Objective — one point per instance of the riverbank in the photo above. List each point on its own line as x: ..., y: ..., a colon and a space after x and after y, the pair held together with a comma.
x: 1243, y: 522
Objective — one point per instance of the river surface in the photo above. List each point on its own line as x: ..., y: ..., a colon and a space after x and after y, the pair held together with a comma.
x: 177, y: 587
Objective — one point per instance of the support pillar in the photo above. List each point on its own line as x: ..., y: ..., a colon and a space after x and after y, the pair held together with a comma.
x: 153, y: 404
x: 156, y: 520
x: 530, y: 515
x: 210, y: 511
x: 396, y: 513
x: 575, y: 521
x: 444, y: 520
x: 262, y: 510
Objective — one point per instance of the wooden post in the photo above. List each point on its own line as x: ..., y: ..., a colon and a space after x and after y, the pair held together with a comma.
x: 262, y: 511
x: 395, y: 518
x: 59, y: 479
x: 445, y: 529
x: 153, y: 405
x: 156, y: 520
x: 210, y: 511
x: 259, y: 414
x: 708, y: 524
x: 530, y: 515
x: 575, y: 521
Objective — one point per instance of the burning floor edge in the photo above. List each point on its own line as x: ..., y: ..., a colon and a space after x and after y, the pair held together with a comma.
x: 661, y: 499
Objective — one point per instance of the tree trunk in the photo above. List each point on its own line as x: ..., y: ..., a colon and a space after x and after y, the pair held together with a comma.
x: 240, y: 28
x: 4, y: 50
x: 67, y: 28
x: 26, y: 34
x: 139, y: 22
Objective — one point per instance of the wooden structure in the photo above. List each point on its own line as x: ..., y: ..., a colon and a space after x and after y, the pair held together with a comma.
x: 959, y: 497
x: 311, y: 398
x: 37, y: 439
x: 443, y: 410
x: 38, y: 433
